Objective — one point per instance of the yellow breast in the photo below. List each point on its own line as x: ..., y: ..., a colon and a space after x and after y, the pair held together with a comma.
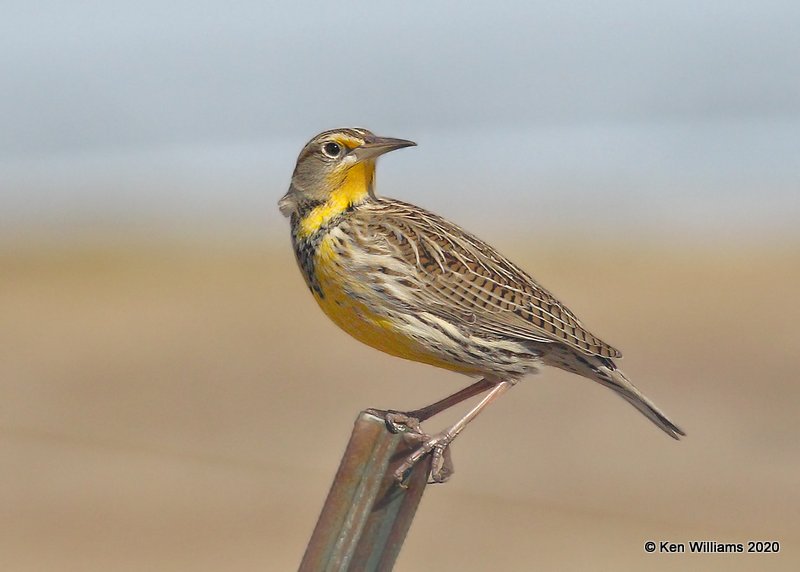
x: 378, y: 330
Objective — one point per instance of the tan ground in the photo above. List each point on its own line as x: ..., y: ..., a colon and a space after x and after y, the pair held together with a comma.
x: 169, y: 408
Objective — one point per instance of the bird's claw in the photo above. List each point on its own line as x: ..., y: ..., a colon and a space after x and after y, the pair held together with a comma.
x: 438, y: 447
x: 398, y: 422
x: 441, y: 464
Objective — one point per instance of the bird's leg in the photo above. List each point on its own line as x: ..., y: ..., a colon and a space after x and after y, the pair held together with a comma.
x: 398, y: 421
x: 441, y: 467
x: 425, y: 413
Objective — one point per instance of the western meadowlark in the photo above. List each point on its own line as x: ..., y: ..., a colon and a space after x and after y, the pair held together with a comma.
x: 414, y: 285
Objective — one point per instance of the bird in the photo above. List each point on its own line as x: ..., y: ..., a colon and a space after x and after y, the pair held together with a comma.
x: 414, y: 285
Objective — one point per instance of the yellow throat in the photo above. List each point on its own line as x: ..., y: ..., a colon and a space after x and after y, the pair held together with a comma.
x: 349, y: 189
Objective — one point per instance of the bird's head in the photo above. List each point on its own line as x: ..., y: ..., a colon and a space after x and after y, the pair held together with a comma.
x: 336, y: 165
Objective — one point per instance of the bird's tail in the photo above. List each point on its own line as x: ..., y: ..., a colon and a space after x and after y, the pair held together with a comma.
x: 616, y: 380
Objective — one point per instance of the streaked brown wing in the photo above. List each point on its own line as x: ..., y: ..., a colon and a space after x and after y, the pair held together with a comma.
x: 460, y: 276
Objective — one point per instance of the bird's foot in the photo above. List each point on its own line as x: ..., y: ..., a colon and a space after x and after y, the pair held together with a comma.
x: 398, y: 421
x: 438, y: 446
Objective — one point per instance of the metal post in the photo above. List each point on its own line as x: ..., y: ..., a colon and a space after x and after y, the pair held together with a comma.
x: 367, y: 514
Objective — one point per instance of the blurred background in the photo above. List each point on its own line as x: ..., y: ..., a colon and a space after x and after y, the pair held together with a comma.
x: 173, y: 399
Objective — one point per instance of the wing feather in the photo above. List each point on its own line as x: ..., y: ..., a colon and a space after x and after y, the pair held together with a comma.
x: 457, y: 276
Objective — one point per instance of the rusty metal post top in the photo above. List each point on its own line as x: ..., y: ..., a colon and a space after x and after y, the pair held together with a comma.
x: 367, y: 514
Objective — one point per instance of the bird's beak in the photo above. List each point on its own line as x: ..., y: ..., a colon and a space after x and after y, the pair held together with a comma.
x: 375, y: 146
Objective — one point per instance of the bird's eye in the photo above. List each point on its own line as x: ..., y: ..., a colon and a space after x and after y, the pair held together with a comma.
x: 332, y: 149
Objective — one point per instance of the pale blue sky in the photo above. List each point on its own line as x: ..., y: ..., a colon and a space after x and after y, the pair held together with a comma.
x: 671, y: 115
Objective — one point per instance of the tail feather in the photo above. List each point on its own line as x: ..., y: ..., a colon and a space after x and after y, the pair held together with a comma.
x: 616, y: 380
